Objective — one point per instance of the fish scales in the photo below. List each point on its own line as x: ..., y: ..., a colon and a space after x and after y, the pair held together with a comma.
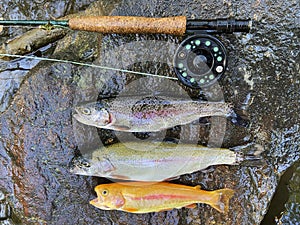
x: 148, y: 114
x: 148, y: 161
x: 145, y: 197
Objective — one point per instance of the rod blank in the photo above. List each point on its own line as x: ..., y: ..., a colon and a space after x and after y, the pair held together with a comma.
x: 63, y: 23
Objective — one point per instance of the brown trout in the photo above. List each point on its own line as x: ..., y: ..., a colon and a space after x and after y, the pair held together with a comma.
x: 144, y: 197
x: 148, y: 114
x: 140, y: 161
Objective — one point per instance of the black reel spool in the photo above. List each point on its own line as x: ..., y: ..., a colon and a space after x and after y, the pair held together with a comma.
x: 200, y: 61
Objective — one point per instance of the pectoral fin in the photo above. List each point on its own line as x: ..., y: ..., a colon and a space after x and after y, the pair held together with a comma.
x: 121, y: 177
x: 119, y: 127
x: 107, y: 165
x: 131, y: 210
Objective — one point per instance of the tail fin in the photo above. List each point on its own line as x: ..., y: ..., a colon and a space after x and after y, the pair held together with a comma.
x: 238, y: 117
x: 220, y: 199
x: 249, y: 155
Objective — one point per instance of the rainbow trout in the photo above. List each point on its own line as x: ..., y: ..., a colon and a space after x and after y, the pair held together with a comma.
x: 148, y: 114
x: 150, y: 161
x: 145, y: 197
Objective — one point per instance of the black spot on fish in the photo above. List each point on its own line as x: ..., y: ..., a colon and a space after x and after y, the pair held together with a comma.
x: 151, y: 106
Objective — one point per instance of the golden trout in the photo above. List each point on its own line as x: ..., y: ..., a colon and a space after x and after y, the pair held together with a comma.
x: 148, y: 114
x: 144, y: 197
x: 140, y: 161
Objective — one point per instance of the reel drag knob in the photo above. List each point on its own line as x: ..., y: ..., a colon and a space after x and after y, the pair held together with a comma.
x: 200, y: 61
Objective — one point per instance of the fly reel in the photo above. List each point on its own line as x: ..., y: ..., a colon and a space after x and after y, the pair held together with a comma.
x: 200, y: 61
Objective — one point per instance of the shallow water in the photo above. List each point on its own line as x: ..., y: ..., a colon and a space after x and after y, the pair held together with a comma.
x: 284, y: 206
x: 39, y: 138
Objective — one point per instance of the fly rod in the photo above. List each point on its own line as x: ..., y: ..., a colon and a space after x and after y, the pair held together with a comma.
x: 200, y: 59
x: 178, y: 25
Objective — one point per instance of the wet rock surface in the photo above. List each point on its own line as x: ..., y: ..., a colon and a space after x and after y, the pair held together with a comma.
x: 38, y: 138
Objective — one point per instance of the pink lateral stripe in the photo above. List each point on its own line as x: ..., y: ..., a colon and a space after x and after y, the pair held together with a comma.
x: 159, y: 196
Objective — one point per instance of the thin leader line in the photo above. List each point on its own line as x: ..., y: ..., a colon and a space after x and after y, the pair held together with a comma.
x: 88, y: 64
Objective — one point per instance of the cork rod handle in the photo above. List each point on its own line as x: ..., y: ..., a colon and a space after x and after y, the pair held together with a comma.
x: 130, y: 24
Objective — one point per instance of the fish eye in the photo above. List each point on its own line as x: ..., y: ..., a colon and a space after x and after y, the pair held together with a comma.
x: 86, y: 111
x: 105, y: 192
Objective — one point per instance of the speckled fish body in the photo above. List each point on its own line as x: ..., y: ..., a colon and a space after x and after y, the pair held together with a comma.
x: 153, y: 162
x: 148, y: 114
x: 141, y: 197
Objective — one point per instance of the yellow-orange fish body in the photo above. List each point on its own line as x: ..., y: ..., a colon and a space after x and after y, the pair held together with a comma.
x: 145, y: 197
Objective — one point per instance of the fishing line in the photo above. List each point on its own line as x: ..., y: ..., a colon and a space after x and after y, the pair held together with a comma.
x: 199, y: 61
x: 87, y: 64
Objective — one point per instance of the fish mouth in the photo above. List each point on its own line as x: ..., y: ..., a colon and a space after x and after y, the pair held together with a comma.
x: 78, y: 118
x: 76, y: 115
x: 95, y: 202
x: 76, y: 108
